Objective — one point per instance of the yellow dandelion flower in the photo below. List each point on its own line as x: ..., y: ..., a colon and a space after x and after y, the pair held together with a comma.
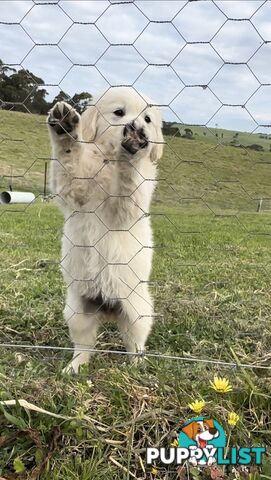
x: 175, y: 443
x: 221, y: 385
x: 154, y: 471
x: 197, y: 406
x: 233, y: 418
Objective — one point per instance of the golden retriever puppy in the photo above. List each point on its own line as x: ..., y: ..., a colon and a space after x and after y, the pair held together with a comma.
x: 103, y: 173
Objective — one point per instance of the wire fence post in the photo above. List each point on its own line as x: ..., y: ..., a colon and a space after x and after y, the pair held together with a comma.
x: 45, y: 181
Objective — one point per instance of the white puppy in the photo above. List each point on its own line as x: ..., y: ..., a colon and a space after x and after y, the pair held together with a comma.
x: 103, y: 173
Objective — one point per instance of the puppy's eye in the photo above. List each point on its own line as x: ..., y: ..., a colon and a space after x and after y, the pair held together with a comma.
x: 120, y: 112
x: 147, y: 119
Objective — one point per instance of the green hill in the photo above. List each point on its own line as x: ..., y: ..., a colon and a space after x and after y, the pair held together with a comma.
x: 203, y: 169
x: 24, y: 148
x: 225, y: 136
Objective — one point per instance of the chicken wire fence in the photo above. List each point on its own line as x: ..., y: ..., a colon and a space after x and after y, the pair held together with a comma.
x: 205, y: 64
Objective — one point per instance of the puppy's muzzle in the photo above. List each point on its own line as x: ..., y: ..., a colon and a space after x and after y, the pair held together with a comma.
x: 134, y: 139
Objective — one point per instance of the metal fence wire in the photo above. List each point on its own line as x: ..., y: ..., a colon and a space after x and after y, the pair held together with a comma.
x: 206, y: 66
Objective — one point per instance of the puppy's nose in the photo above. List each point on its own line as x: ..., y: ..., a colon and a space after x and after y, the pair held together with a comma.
x: 141, y: 133
x: 129, y: 128
x: 134, y: 138
x: 213, y: 430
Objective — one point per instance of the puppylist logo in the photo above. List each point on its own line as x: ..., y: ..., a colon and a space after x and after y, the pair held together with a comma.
x: 202, y: 441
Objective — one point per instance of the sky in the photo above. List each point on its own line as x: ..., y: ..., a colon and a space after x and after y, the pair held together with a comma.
x: 204, y: 62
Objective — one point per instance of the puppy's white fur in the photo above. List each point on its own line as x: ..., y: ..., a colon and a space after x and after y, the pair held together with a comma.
x: 105, y: 194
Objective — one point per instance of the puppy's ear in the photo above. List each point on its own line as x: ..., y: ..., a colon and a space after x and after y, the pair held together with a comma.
x: 158, y: 144
x: 89, y: 123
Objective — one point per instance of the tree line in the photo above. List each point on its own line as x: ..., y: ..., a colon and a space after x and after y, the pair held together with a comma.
x: 22, y: 91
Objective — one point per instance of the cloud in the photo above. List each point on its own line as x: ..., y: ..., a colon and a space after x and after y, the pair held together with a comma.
x: 261, y: 20
x: 90, y: 80
x: 12, y: 35
x: 49, y: 63
x: 197, y: 64
x: 239, y: 8
x: 121, y: 65
x: 260, y: 64
x: 195, y: 105
x: 162, y: 80
x: 159, y: 43
x: 167, y: 50
x: 46, y: 24
x: 15, y: 10
x: 82, y: 11
x: 83, y: 44
x: 233, y: 118
x: 122, y: 23
x: 237, y: 42
x: 234, y: 84
x: 259, y: 105
x: 199, y: 21
x: 160, y: 11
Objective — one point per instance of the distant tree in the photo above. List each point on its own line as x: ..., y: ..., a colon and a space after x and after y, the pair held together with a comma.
x: 171, y: 131
x: 188, y: 133
x: 39, y: 104
x: 255, y: 146
x: 5, y: 70
x: 61, y: 97
x: 81, y: 101
x: 4, y: 74
x: 22, y: 89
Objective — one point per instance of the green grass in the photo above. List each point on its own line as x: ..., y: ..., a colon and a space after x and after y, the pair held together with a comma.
x: 24, y: 148
x: 211, y: 284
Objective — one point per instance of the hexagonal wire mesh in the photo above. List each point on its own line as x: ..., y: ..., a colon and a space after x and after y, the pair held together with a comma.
x: 207, y: 64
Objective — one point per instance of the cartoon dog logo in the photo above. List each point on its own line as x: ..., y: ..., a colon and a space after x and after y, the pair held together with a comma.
x: 203, y: 433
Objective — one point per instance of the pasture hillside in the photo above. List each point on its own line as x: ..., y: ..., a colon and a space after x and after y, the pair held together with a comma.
x: 204, y: 168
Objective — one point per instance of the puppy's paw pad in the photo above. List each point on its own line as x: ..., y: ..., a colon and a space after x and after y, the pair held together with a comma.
x: 63, y: 118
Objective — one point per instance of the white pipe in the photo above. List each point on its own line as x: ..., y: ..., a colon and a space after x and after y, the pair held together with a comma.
x: 16, y: 197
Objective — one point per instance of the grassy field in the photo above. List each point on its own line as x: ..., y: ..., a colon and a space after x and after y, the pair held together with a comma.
x: 211, y: 284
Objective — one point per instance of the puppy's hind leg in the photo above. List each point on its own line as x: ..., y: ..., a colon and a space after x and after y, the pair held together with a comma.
x: 136, y: 320
x: 83, y: 328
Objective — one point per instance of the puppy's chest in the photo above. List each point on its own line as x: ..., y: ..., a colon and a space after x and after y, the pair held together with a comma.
x: 101, y: 230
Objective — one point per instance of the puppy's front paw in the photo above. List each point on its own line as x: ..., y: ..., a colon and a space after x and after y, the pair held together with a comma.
x: 79, y: 360
x: 63, y: 119
x: 68, y: 370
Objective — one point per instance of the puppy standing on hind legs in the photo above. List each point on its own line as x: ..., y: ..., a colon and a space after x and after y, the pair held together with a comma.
x: 103, y: 173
